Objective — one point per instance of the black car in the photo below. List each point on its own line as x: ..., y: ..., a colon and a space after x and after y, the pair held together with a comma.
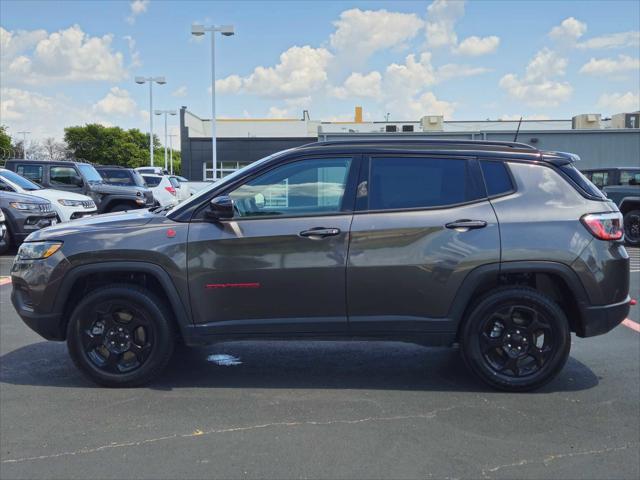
x: 498, y: 247
x: 23, y: 214
x: 83, y: 178
x: 622, y: 185
x: 121, y: 176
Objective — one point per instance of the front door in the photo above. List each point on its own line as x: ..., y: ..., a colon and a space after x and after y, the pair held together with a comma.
x: 279, y: 265
x: 421, y: 225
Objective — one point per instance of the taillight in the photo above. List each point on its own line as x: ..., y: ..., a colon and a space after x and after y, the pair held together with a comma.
x: 605, y: 226
x: 171, y: 190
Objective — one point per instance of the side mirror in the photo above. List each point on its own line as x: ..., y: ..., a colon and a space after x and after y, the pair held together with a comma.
x: 220, y: 208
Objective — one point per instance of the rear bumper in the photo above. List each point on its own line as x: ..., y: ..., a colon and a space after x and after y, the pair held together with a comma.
x: 597, y: 320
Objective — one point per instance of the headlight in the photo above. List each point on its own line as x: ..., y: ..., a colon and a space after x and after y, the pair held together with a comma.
x: 29, y: 207
x: 38, y: 250
x: 70, y: 203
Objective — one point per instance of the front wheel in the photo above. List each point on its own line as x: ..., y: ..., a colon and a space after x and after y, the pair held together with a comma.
x: 632, y: 227
x: 516, y: 339
x: 120, y: 336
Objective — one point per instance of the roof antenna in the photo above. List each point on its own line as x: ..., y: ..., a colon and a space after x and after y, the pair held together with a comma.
x: 515, y: 139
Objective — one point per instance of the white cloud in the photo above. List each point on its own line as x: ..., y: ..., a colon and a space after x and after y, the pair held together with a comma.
x: 66, y: 55
x: 137, y: 7
x: 476, y: 46
x: 453, y: 70
x: 613, y: 40
x: 619, y: 102
x: 180, y: 91
x: 606, y: 66
x: 409, y: 107
x: 134, y: 54
x: 569, y: 30
x: 534, y: 116
x: 411, y: 76
x: 442, y: 16
x: 538, y: 87
x: 361, y: 33
x: 301, y: 71
x: 275, y: 112
x: 117, y: 102
x: 359, y: 85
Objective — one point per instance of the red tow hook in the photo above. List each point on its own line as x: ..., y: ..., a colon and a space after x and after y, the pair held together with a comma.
x: 633, y: 302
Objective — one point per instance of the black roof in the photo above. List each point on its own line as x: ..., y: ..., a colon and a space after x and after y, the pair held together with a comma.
x: 429, y: 142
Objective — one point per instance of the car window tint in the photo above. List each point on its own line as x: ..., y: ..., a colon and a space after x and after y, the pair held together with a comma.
x: 63, y: 176
x: 305, y: 187
x: 152, y: 181
x: 32, y: 172
x: 414, y: 182
x: 174, y: 182
x: 496, y: 177
x: 116, y: 176
x: 630, y: 177
x: 600, y: 179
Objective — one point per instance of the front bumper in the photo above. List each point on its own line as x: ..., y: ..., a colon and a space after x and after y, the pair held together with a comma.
x: 597, y: 320
x: 47, y: 325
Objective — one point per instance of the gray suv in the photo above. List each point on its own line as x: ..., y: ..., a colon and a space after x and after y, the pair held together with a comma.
x: 83, y: 178
x: 498, y: 247
x: 23, y: 214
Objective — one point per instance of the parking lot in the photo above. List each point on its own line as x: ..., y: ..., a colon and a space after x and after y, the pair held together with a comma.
x: 318, y: 410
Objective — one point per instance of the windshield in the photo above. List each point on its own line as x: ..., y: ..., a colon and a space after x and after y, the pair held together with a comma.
x: 19, y: 181
x: 90, y: 174
x: 228, y: 179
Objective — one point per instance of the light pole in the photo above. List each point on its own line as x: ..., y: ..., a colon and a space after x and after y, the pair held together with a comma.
x: 150, y: 80
x: 165, y: 113
x: 171, y: 151
x: 24, y: 144
x: 227, y: 31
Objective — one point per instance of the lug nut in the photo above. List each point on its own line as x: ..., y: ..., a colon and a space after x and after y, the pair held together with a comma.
x: 509, y: 345
x: 508, y: 335
x: 518, y: 332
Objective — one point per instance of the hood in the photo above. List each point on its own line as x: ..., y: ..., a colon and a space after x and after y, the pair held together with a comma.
x: 118, y: 189
x: 111, y: 221
x: 20, y: 197
x: 55, y: 195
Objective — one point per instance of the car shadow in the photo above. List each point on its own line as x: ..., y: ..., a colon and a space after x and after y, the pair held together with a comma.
x: 280, y: 364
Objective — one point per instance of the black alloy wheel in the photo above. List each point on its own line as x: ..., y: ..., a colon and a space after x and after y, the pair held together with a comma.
x: 632, y: 227
x: 515, y: 339
x: 121, y: 336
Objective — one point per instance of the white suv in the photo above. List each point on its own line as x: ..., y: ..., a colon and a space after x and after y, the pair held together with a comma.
x: 163, y: 190
x: 67, y: 205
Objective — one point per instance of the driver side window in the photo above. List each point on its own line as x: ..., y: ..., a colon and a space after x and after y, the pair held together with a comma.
x: 305, y: 187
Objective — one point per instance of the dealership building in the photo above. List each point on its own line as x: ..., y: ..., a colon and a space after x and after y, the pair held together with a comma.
x: 600, y: 142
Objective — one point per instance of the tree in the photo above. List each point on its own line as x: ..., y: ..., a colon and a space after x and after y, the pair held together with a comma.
x: 53, y: 150
x: 110, y: 145
x: 5, y: 143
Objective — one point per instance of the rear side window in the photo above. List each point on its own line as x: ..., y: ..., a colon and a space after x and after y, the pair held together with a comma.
x: 496, y: 177
x: 418, y: 182
x: 63, y: 176
x: 174, y: 182
x: 152, y: 181
x: 630, y: 177
x: 32, y: 172
x: 600, y: 179
x: 116, y: 176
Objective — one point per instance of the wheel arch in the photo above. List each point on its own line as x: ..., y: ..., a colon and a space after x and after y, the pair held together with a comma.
x: 554, y: 279
x: 85, y: 278
x: 629, y: 203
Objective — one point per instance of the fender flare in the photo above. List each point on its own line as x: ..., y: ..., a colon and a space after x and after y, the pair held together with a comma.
x: 490, y: 273
x: 110, y: 200
x: 629, y: 200
x: 182, y: 317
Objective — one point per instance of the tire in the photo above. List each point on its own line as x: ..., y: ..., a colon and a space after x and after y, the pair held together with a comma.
x: 6, y: 242
x: 121, y: 336
x: 632, y: 227
x: 515, y: 339
x: 121, y: 207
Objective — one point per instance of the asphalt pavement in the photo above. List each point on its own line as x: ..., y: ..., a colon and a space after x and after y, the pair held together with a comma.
x: 318, y: 410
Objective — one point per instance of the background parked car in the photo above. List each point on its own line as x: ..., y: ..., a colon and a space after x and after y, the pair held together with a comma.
x: 163, y: 189
x: 151, y: 170
x: 82, y: 178
x: 121, y: 176
x: 622, y: 185
x: 68, y: 205
x: 23, y: 214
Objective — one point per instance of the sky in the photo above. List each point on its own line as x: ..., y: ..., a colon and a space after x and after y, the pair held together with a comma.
x: 68, y: 63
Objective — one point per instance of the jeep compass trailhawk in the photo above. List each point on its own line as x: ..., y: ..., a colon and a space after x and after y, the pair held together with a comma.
x: 498, y: 247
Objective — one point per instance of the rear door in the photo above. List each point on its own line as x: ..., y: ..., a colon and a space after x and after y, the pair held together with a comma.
x: 422, y: 223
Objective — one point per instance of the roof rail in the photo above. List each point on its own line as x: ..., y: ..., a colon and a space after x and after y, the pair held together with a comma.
x: 425, y: 141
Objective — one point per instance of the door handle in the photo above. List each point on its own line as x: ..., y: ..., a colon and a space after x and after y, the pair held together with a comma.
x: 465, y: 225
x: 320, y: 232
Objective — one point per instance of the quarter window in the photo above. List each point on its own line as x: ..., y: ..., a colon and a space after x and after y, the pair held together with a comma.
x: 496, y: 177
x: 306, y: 187
x: 32, y: 172
x: 630, y: 177
x: 417, y: 182
x: 600, y: 179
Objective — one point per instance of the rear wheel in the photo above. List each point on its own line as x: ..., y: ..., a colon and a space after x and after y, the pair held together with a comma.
x: 120, y: 336
x: 632, y: 227
x: 516, y: 339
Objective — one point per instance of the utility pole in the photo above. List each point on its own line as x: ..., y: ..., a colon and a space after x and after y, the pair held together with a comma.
x: 24, y: 144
